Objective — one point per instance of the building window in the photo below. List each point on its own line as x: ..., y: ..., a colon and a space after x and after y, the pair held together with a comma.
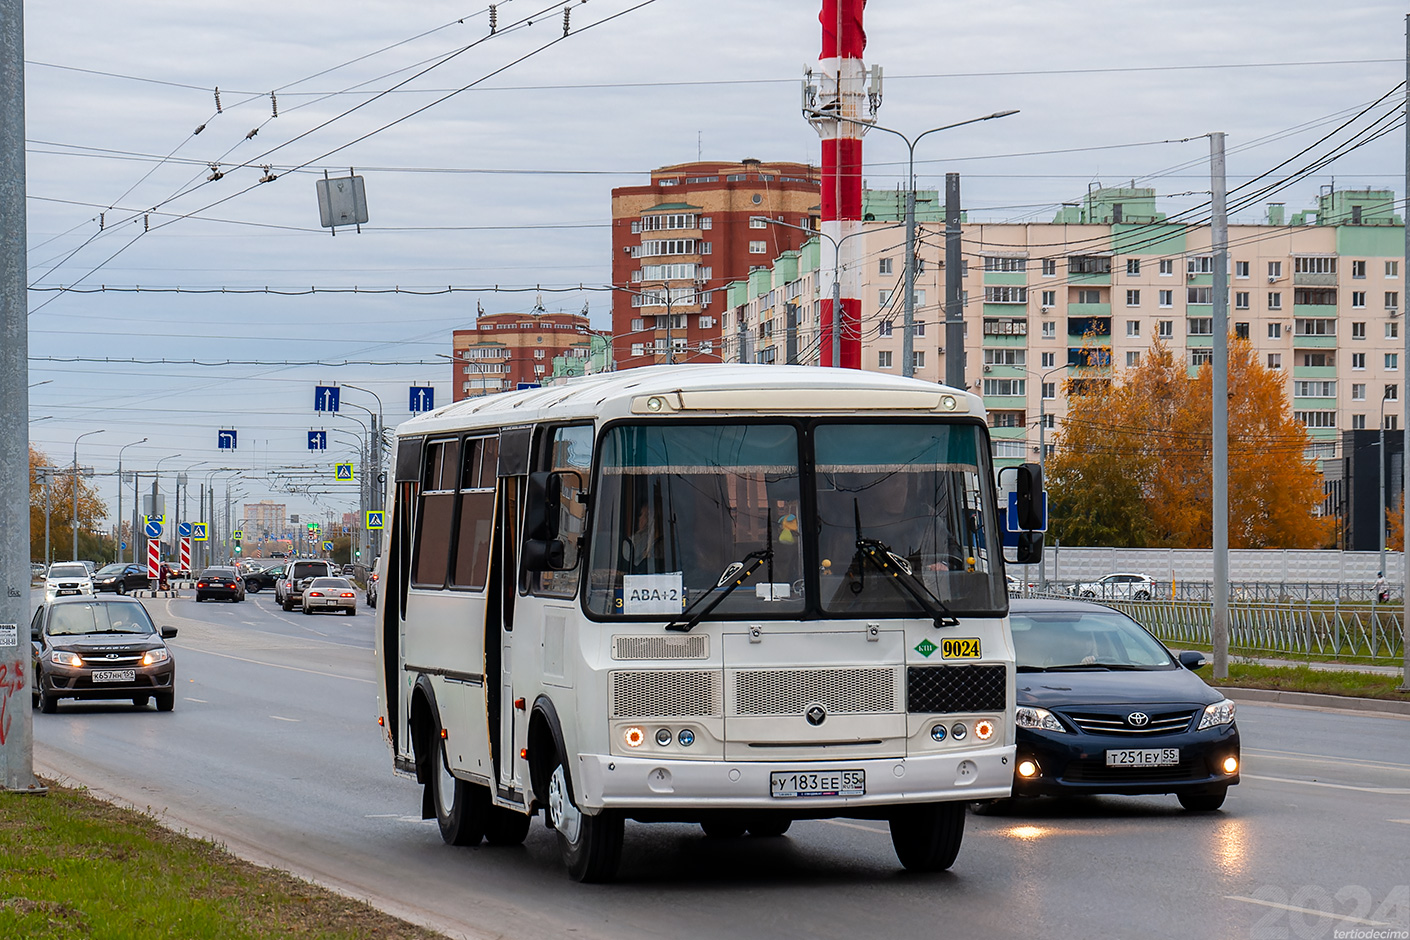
x: 1275, y: 360
x: 1049, y: 391
x: 1049, y: 360
x: 1200, y: 264
x: 999, y: 263
x: 638, y: 349
x: 1392, y: 393
x: 758, y: 248
x: 1133, y: 358
x: 1199, y: 295
x: 1390, y: 422
x: 1006, y: 295
x: 1275, y: 269
x: 884, y: 329
x: 1089, y: 264
x: 883, y: 296
x: 1241, y: 300
x: 1050, y: 267
x: 1392, y: 269
x: 1358, y: 298
x: 1316, y: 419
x: 1304, y: 326
x: 1048, y: 421
x: 1358, y: 270
x: 1167, y: 267
x: 1004, y: 386
x: 1241, y: 330
x: 1007, y: 419
x: 1133, y: 267
x: 1392, y: 299
x: 1317, y: 359
x: 1008, y: 327
x: 1199, y: 357
x: 920, y: 327
x: 538, y: 353
x: 706, y: 323
x: 1358, y: 422
x: 1240, y: 269
x: 1133, y: 327
x: 1392, y: 361
x: 1049, y: 298
x: 1165, y: 329
x: 917, y: 360
x: 1324, y: 296
x: 1358, y: 362
x: 1275, y: 300
x: 1321, y: 265
x: 883, y: 266
x: 1358, y: 391
x: 1166, y: 298
x: 883, y: 359
x: 1089, y: 296
x: 638, y: 324
x: 1049, y: 329
x: 1392, y: 330
x: 1320, y: 389
x: 1006, y: 357
x: 707, y: 348
x: 1133, y: 298
x: 1199, y: 326
x: 1275, y: 331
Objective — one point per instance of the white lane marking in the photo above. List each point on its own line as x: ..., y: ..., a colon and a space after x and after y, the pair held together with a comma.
x: 851, y: 825
x: 382, y: 816
x: 282, y: 718
x: 1390, y: 791
x: 1343, y: 918
x: 201, y: 700
x: 256, y: 662
x: 1406, y: 821
x: 1340, y: 761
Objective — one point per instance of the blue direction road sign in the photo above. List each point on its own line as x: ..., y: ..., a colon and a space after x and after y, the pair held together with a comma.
x: 327, y: 546
x: 184, y: 530
x: 421, y: 398
x: 198, y: 531
x: 317, y: 440
x: 122, y: 546
x: 1011, y: 521
x: 342, y: 471
x: 374, y: 519
x: 325, y: 397
x: 225, y: 440
x: 153, y: 528
x: 523, y: 385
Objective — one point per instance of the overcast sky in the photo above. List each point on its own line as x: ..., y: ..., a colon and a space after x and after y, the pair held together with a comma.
x: 508, y: 182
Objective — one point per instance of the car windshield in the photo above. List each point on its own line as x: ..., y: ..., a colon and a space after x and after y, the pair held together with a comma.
x: 112, y: 570
x: 99, y: 617
x: 310, y: 569
x: 68, y: 571
x: 218, y: 573
x: 679, y: 504
x: 1059, y: 639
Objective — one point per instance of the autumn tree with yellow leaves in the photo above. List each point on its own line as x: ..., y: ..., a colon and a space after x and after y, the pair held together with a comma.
x: 91, y: 511
x: 1133, y: 465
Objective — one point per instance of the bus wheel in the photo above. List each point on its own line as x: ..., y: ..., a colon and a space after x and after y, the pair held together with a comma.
x: 461, y: 807
x: 769, y: 827
x: 724, y: 827
x: 927, y: 836
x: 591, y: 846
x: 506, y: 826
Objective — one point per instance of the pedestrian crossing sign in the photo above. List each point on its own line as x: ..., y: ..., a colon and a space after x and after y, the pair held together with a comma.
x: 343, y: 471
x: 374, y: 519
x: 198, y: 531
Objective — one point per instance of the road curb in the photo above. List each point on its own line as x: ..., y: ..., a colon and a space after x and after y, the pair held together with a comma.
x: 1317, y: 700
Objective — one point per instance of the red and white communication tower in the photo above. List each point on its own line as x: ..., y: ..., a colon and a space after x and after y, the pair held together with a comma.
x: 840, y: 99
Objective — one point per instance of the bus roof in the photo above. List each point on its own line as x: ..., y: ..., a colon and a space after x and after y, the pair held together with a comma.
x: 698, y: 390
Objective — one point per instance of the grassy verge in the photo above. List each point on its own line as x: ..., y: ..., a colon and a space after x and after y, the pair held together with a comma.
x: 74, y: 866
x: 1305, y: 679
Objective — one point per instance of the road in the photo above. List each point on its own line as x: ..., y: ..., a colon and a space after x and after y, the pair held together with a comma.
x: 273, y: 750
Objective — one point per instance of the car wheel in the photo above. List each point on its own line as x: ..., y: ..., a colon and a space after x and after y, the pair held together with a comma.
x: 351, y: 611
x: 724, y: 827
x: 506, y: 826
x: 166, y: 701
x: 48, y: 704
x: 121, y: 589
x: 287, y: 605
x: 927, y: 836
x: 253, y: 588
x: 461, y: 806
x: 308, y: 609
x: 769, y: 828
x: 140, y: 700
x: 591, y: 846
x: 1206, y: 802
x: 1089, y: 593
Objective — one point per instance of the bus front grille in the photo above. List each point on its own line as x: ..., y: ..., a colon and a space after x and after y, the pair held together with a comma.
x: 792, y: 691
x: 946, y: 689
x: 685, y: 693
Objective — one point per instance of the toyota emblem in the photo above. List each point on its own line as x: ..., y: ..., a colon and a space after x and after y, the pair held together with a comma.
x: 816, y: 715
x: 1138, y: 719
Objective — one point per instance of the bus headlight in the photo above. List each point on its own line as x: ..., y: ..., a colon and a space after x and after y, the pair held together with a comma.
x: 663, y: 737
x: 634, y: 736
x: 984, y: 729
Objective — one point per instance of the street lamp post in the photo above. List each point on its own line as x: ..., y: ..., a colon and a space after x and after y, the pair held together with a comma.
x: 75, y: 487
x: 908, y: 323
x: 1381, y: 467
x: 119, y: 509
x: 374, y: 455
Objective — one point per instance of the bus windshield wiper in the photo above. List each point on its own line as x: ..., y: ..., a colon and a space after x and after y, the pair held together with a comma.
x: 735, y: 574
x: 888, y: 562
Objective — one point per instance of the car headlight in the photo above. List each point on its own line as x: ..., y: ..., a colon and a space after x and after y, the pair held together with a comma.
x: 65, y: 658
x: 1220, y: 713
x: 1040, y: 719
x: 152, y: 657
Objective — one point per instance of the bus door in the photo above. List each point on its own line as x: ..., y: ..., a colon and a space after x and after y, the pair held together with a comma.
x: 503, y: 592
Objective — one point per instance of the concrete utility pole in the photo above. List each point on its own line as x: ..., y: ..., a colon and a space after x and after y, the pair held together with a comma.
x: 1405, y: 358
x: 1219, y: 241
x: 16, y: 724
x: 954, y: 309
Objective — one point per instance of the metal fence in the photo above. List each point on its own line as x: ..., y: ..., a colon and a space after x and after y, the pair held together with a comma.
x: 1275, y: 592
x: 1296, y: 629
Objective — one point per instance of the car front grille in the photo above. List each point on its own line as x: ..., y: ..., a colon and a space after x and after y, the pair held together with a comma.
x: 946, y: 689
x: 1096, y: 771
x: 111, y: 660
x: 1169, y: 722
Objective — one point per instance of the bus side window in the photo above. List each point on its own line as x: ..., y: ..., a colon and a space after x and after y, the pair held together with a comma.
x: 476, y: 519
x: 567, y: 449
x: 430, y: 561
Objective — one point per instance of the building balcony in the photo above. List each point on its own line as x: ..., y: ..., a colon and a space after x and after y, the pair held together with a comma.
x: 1005, y: 340
x: 1314, y: 372
x: 1314, y: 280
x: 1019, y: 278
x: 1314, y: 342
x: 1199, y: 342
x: 1089, y: 310
x: 1315, y: 311
x: 1005, y: 310
x: 1089, y: 280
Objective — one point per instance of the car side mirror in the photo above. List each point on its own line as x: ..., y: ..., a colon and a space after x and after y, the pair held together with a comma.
x: 1192, y: 659
x: 168, y: 633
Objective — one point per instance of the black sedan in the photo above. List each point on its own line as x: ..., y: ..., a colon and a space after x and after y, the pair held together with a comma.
x: 256, y: 581
x: 1103, y: 707
x: 220, y: 582
x: 100, y: 648
x: 120, y: 578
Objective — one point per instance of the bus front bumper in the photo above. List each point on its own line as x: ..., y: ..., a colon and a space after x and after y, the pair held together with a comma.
x: 606, y: 782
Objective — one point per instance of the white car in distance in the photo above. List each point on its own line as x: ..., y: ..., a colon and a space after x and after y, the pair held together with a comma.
x: 1124, y: 586
x: 67, y: 578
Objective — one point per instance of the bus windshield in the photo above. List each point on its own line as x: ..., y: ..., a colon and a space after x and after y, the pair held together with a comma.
x: 678, y: 505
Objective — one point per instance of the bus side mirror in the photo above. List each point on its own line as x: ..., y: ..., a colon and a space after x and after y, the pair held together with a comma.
x: 1030, y: 549
x: 543, y: 505
x: 1030, y: 498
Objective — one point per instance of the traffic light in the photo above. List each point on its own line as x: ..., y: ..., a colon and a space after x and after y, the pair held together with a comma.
x: 237, y: 548
x: 357, y: 553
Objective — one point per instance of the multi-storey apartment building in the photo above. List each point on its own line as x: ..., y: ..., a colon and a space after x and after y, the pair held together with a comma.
x: 1051, y: 306
x: 265, y: 518
x: 678, y: 240
x: 506, y: 350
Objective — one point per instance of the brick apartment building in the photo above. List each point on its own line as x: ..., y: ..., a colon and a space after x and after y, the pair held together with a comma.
x: 678, y: 240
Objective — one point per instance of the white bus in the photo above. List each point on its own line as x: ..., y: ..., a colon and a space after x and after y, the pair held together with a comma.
x: 735, y: 596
